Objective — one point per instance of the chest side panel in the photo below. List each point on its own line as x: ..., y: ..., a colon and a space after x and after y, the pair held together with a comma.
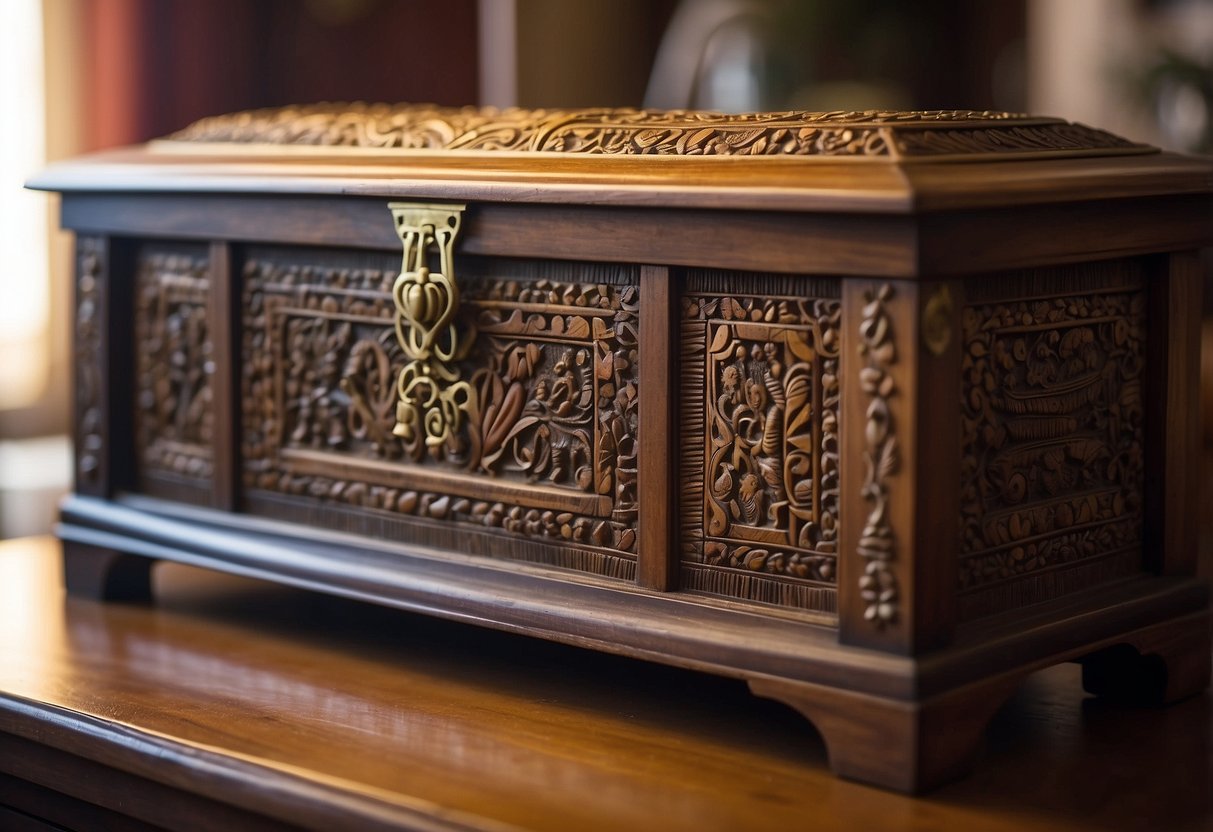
x: 1052, y: 465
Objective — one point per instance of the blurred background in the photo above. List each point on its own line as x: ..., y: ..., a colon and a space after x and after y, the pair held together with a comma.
x: 81, y: 75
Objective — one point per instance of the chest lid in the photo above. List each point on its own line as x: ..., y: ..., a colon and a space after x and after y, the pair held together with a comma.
x: 837, y: 162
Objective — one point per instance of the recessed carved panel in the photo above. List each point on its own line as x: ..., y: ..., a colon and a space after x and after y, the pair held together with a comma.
x: 1052, y: 416
x: 760, y: 438
x: 546, y: 452
x: 174, y: 416
x: 90, y: 377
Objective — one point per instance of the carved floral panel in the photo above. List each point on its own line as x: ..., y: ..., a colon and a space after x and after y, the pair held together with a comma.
x: 760, y: 438
x: 547, y: 450
x: 174, y: 417
x: 1052, y: 457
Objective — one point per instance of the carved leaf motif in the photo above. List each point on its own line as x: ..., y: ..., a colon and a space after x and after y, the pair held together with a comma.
x: 174, y: 363
x: 1052, y: 432
x: 624, y: 131
x: 762, y: 479
x: 570, y: 422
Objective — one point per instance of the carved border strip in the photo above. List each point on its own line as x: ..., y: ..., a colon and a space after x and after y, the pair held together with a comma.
x: 90, y: 380
x: 664, y: 133
x: 877, y: 545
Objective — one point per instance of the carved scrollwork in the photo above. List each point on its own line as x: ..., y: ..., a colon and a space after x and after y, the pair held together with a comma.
x: 763, y: 374
x: 546, y: 392
x: 1052, y: 416
x: 653, y: 132
x: 173, y: 364
x: 881, y: 456
x: 90, y: 381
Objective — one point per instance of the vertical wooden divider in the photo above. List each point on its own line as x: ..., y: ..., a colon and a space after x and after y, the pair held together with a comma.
x: 877, y: 464
x: 1172, y: 429
x: 937, y: 489
x: 222, y: 312
x: 103, y: 345
x: 91, y: 341
x: 656, y: 553
x: 900, y: 431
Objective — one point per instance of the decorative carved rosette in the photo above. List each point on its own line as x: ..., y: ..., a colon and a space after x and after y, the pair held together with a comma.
x: 877, y: 544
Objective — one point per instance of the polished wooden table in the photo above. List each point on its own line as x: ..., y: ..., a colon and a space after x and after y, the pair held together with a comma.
x: 232, y: 704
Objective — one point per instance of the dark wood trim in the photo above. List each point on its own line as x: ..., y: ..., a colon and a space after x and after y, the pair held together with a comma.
x: 797, y: 243
x: 936, y: 532
x: 177, y: 786
x: 103, y: 574
x: 91, y: 349
x: 858, y: 418
x: 224, y: 323
x: 688, y: 631
x: 121, y: 271
x: 909, y: 748
x: 25, y: 805
x: 878, y: 184
x: 988, y: 240
x: 557, y: 605
x: 15, y: 821
x: 104, y: 370
x: 874, y: 245
x: 657, y: 553
x: 1172, y: 487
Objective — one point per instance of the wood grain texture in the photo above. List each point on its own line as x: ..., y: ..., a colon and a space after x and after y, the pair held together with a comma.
x: 657, y: 555
x: 879, y: 245
x: 909, y: 747
x: 937, y: 352
x: 1173, y: 415
x: 605, y: 615
x: 325, y: 714
x: 829, y: 243
x: 823, y: 184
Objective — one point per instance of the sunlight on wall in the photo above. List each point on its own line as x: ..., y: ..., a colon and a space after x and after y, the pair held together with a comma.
x: 24, y: 286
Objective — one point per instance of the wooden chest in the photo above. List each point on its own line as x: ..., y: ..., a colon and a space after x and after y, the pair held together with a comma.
x: 879, y: 412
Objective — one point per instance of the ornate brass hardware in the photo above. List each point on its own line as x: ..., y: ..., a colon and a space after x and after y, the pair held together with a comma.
x: 432, y: 397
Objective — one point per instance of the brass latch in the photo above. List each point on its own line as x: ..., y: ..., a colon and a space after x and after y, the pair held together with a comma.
x: 432, y: 398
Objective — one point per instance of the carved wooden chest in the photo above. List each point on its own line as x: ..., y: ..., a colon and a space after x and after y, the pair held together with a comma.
x: 877, y: 411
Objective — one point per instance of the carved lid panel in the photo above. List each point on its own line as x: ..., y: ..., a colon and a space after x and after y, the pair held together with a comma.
x: 626, y: 132
x: 842, y: 162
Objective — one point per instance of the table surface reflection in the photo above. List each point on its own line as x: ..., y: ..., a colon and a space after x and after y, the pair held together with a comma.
x: 485, y: 729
